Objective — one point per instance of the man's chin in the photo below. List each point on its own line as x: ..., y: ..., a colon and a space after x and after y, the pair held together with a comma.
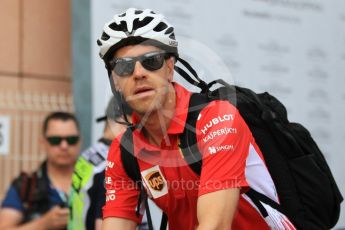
x: 64, y: 164
x: 146, y: 111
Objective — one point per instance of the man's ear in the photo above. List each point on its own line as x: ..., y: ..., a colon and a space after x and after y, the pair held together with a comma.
x: 44, y: 142
x: 80, y: 142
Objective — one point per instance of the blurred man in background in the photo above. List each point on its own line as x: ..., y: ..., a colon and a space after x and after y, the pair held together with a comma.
x: 88, y: 189
x: 40, y: 200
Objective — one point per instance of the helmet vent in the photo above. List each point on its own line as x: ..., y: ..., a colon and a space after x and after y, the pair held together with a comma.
x: 134, y: 27
x: 138, y: 24
x: 171, y: 29
x: 117, y: 27
x: 172, y: 36
x: 161, y: 26
x: 105, y: 36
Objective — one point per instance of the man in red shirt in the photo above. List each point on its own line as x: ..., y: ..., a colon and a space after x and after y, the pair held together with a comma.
x: 140, y: 51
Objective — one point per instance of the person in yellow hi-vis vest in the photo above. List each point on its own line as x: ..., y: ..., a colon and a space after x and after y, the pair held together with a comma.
x: 88, y: 194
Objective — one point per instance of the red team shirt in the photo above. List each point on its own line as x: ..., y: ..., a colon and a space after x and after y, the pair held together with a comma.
x: 231, y: 159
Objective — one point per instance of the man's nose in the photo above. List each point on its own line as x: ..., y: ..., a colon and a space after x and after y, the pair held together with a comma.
x: 139, y: 70
x: 64, y: 144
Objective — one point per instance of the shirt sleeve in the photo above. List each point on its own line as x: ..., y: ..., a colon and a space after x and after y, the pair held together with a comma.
x: 12, y: 200
x: 223, y: 139
x: 121, y: 191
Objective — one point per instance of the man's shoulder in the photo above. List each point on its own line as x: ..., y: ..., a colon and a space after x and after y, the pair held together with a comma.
x: 115, y: 151
x: 217, y: 108
x: 218, y: 119
x: 24, y: 179
x: 12, y: 199
x: 26, y: 187
x: 221, y: 103
x: 95, y: 154
x: 115, y: 145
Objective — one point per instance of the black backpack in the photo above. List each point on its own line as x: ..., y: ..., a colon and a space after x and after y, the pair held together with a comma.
x: 308, y: 193
x: 33, y: 192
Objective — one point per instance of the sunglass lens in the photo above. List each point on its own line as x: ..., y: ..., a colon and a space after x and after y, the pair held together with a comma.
x: 124, y: 67
x: 153, y: 62
x: 54, y: 140
x: 72, y: 140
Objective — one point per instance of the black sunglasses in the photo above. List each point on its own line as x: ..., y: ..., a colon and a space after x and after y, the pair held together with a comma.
x: 56, y: 140
x: 152, y: 61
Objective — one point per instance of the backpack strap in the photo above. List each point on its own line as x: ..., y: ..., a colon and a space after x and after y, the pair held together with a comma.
x: 33, y: 192
x: 188, y: 142
x: 22, y: 185
x: 196, y: 81
x: 39, y: 186
x: 256, y: 197
x: 31, y: 188
x: 129, y: 161
x: 164, y: 221
x: 131, y: 166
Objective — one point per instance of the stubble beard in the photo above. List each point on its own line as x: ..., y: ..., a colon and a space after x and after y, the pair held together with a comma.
x: 152, y: 104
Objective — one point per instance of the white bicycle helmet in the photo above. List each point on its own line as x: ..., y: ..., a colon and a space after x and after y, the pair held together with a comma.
x: 142, y: 24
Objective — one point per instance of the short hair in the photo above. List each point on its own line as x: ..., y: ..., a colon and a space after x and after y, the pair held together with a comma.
x: 59, y: 115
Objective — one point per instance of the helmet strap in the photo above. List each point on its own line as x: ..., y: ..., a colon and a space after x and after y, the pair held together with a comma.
x: 118, y: 96
x: 196, y: 81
